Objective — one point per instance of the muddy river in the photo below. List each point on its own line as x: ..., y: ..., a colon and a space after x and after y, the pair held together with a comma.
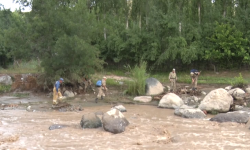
x: 150, y: 128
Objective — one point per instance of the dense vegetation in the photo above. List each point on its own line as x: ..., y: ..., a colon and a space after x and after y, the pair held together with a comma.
x: 75, y: 37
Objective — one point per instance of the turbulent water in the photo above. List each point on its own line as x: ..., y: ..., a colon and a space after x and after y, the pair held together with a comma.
x: 150, y: 128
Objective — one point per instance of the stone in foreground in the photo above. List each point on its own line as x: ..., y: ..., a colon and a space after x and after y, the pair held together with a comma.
x: 90, y: 121
x: 217, y: 100
x: 114, y: 121
x: 238, y: 116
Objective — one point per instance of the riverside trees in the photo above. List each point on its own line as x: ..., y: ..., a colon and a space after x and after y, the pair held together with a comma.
x: 73, y: 37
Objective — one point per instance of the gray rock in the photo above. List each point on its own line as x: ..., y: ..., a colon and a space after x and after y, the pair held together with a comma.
x: 90, y: 121
x: 190, y: 113
x: 5, y: 79
x: 217, y: 100
x: 57, y: 126
x: 153, y: 87
x: 114, y: 121
x: 121, y: 108
x: 170, y: 100
x: 238, y: 107
x: 236, y: 92
x: 191, y: 101
x: 144, y: 99
x: 239, y: 117
x: 69, y: 94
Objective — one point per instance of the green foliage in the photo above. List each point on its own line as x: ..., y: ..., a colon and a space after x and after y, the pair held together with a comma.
x: 75, y: 37
x: 112, y: 82
x: 20, y: 95
x: 31, y: 66
x: 228, y: 45
x: 213, y: 112
x: 4, y: 88
x: 138, y: 83
x: 239, y: 82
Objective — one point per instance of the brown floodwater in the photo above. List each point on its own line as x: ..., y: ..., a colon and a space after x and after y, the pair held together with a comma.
x: 150, y: 128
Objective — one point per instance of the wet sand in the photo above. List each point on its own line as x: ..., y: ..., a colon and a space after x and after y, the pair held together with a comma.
x: 150, y: 128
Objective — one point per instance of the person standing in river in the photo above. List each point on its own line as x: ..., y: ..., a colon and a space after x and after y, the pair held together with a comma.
x: 172, y: 78
x: 101, y: 93
x: 57, y: 92
x: 194, y: 76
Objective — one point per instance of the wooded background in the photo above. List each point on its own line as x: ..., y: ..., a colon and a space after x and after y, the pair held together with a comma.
x: 80, y: 36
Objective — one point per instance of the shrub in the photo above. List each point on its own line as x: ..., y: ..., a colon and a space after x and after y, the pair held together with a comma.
x: 138, y: 83
x: 239, y: 82
x: 4, y: 88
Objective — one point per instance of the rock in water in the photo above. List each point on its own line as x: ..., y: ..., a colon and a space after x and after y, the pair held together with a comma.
x: 238, y: 116
x: 114, y: 121
x: 236, y: 92
x: 57, y: 126
x: 190, y: 113
x: 217, y: 100
x: 144, y: 99
x: 90, y: 121
x: 121, y: 108
x: 170, y: 100
x: 153, y: 87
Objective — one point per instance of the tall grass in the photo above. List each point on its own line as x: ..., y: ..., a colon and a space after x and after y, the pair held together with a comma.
x: 239, y: 82
x: 4, y: 88
x: 139, y: 76
x: 24, y: 67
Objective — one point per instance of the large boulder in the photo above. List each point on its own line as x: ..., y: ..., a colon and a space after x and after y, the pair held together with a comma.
x: 144, y: 99
x: 114, y: 121
x: 153, y: 87
x: 238, y: 116
x: 170, y: 100
x: 5, y: 79
x: 189, y: 113
x: 217, y: 100
x: 236, y: 92
x: 69, y: 93
x: 90, y: 121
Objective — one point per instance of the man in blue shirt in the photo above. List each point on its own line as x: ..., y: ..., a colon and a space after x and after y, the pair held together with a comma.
x: 56, y: 91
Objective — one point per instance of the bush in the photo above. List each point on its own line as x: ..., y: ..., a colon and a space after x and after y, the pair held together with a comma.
x: 4, y: 88
x: 239, y: 82
x: 138, y: 83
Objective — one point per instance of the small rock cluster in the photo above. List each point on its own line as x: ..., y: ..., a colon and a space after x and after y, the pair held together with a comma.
x: 112, y: 121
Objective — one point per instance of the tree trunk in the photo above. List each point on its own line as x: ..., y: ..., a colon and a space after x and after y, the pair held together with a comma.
x: 199, y: 11
x: 140, y: 21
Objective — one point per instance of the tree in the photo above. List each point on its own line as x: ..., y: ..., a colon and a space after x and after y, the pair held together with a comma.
x: 229, y: 46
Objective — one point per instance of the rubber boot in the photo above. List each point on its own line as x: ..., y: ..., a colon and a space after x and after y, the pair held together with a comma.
x: 101, y: 97
x: 96, y: 100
